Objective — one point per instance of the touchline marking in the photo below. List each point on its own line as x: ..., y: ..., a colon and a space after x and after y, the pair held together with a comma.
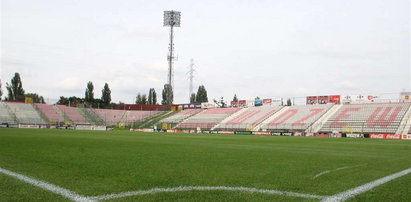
x: 342, y: 168
x: 366, y: 187
x: 204, y: 188
x: 47, y: 186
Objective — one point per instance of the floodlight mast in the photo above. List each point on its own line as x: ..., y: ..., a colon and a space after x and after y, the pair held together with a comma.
x: 171, y: 19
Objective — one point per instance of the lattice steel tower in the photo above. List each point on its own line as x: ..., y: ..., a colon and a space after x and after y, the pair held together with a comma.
x: 171, y: 19
x: 191, y: 77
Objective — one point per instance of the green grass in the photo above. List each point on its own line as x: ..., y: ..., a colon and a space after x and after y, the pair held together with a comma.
x: 103, y: 162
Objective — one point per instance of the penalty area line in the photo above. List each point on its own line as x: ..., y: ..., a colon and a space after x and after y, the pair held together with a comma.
x: 47, y: 186
x: 337, y: 169
x: 204, y: 188
x: 366, y: 187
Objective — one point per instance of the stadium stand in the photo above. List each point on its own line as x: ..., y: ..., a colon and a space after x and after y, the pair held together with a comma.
x: 135, y: 116
x: 179, y: 117
x: 5, y: 115
x: 248, y: 118
x: 367, y: 118
x: 50, y: 112
x: 72, y: 114
x: 207, y: 118
x: 110, y: 116
x: 91, y: 116
x: 297, y: 118
x: 25, y: 113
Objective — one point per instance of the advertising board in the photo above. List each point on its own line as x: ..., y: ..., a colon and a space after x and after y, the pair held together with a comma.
x: 312, y: 100
x: 267, y: 101
x: 336, y: 99
x: 406, y: 137
x: 353, y: 135
x: 225, y: 132
x: 208, y: 105
x: 84, y: 127
x: 267, y: 133
x: 28, y: 126
x: 377, y: 136
x: 258, y: 102
x: 393, y: 136
x: 336, y: 135
x: 323, y: 99
x: 322, y: 135
x: 385, y: 136
x: 242, y: 103
x: 298, y: 134
x: 243, y: 132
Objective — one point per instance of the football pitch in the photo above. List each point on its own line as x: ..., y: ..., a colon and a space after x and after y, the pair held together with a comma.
x: 67, y: 165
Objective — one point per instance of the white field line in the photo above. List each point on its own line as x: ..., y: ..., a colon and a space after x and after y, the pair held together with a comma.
x: 204, y: 188
x: 47, y: 186
x: 79, y: 198
x: 342, y: 168
x: 366, y: 187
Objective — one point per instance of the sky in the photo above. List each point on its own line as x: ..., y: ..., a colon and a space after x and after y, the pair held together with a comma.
x: 265, y: 48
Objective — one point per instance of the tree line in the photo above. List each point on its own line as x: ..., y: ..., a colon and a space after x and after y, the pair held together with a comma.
x: 15, y: 92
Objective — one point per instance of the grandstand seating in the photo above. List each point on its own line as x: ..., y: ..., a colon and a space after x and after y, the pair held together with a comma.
x: 177, y: 118
x: 207, y: 118
x: 367, y: 118
x: 5, y: 116
x: 25, y: 113
x: 50, y: 112
x: 296, y: 117
x: 135, y: 116
x: 73, y: 114
x: 110, y: 116
x: 250, y: 117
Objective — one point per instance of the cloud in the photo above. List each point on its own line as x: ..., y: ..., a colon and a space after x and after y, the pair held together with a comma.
x: 70, y: 83
x: 347, y: 85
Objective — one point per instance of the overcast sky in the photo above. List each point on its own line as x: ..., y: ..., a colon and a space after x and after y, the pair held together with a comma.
x: 265, y: 48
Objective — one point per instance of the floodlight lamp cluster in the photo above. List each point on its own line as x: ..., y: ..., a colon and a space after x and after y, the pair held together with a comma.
x: 172, y: 18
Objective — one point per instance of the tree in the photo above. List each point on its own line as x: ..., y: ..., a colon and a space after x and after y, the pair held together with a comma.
x: 152, y: 97
x: 235, y: 99
x: 71, y: 101
x: 106, y: 95
x: 288, y: 102
x: 193, y: 98
x: 89, y: 95
x: 98, y: 103
x: 167, y: 95
x: 138, y: 98
x: 63, y: 101
x: 36, y: 98
x: 201, y: 94
x: 15, y: 89
x: 143, y: 99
